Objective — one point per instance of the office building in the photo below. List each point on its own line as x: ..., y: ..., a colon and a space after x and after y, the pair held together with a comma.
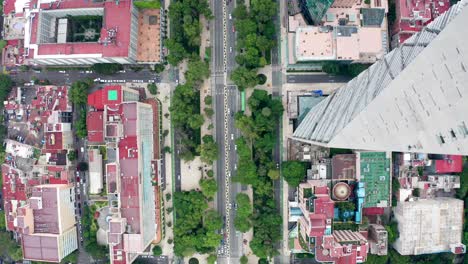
x: 412, y: 100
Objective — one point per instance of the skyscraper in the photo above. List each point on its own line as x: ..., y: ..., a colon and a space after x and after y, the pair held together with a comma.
x: 415, y: 99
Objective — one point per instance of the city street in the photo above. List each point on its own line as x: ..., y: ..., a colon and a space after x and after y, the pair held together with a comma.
x: 70, y: 76
x: 226, y: 104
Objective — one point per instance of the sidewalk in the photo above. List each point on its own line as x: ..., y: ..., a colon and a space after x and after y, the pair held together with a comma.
x: 164, y: 90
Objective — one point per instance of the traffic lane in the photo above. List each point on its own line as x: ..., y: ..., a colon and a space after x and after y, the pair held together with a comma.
x: 315, y: 78
x: 73, y: 75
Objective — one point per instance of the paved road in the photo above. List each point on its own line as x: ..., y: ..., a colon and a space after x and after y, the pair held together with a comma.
x: 226, y: 104
x: 71, y: 76
x: 316, y: 78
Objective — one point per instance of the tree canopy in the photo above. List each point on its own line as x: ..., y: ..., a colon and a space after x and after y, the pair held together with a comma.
x: 255, y: 39
x: 185, y: 28
x: 208, y: 187
x: 256, y: 168
x: 78, y: 93
x: 293, y: 172
x: 242, y: 221
x: 208, y: 150
x: 5, y: 86
x: 196, y: 226
x: 107, y: 68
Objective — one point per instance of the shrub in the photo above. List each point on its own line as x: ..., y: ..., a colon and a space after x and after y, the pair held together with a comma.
x: 152, y: 88
x: 261, y: 79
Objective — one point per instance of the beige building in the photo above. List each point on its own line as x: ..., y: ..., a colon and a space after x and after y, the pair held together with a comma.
x: 429, y: 226
x: 47, y: 223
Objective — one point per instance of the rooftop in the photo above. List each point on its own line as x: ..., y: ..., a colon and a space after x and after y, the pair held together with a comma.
x: 374, y: 172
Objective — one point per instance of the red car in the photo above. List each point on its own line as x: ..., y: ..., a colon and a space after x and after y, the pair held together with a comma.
x: 233, y: 29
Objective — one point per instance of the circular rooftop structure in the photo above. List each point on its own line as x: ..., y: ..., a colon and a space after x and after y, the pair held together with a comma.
x: 341, y: 191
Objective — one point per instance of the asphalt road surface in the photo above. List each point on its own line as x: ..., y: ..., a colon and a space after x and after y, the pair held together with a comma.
x: 226, y: 104
x: 316, y: 78
x: 68, y: 77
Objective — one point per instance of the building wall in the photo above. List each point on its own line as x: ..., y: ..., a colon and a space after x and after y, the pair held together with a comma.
x: 428, y: 226
x: 66, y: 199
x: 68, y: 242
x: 80, y: 60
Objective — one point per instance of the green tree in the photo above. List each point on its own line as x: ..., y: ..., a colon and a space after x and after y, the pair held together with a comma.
x: 244, y: 260
x: 107, y: 68
x: 208, y: 150
x: 193, y: 261
x: 208, y: 187
x: 395, y: 257
x: 5, y: 86
x: 158, y: 68
x: 208, y: 100
x: 375, y: 259
x: 211, y: 259
x: 392, y: 231
x: 80, y: 127
x: 242, y: 221
x: 177, y: 52
x: 261, y: 78
x: 152, y: 88
x: 209, y: 111
x: 293, y: 172
x: 157, y: 251
x: 3, y: 43
x: 197, y: 70
x: 244, y: 78
x: 78, y: 93
x: 274, y: 174
x: 71, y: 155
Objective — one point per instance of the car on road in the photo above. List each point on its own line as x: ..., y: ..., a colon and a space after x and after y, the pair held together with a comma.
x: 233, y: 29
x: 277, y: 165
x: 230, y: 16
x: 235, y: 166
x: 82, y: 149
x: 235, y: 147
x: 178, y: 177
x: 62, y: 71
x: 122, y: 71
x: 230, y: 49
x: 232, y: 136
x: 88, y: 71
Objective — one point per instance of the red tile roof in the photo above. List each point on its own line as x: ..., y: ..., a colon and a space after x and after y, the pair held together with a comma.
x: 451, y: 164
x: 95, y: 125
x: 99, y: 98
x: 53, y: 141
x: 116, y: 15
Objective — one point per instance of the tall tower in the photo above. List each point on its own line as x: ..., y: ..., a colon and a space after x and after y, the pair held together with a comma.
x: 415, y: 99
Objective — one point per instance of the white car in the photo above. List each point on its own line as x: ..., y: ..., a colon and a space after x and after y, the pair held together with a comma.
x: 230, y: 16
x: 230, y: 49
x: 232, y: 136
x: 62, y: 71
x: 122, y: 71
x: 88, y: 71
x: 235, y: 166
